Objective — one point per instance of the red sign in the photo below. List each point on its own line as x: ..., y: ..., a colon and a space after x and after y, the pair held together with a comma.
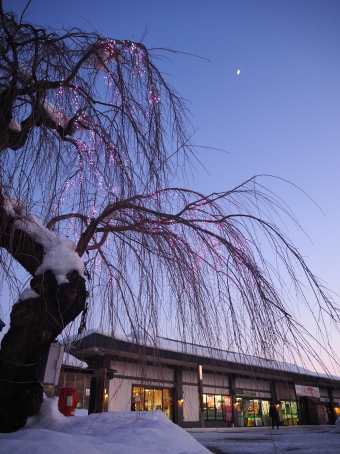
x: 228, y: 409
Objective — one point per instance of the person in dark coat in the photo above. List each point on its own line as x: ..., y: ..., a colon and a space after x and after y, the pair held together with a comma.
x: 274, y: 414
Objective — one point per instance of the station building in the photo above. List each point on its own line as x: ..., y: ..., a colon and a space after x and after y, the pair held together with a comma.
x: 235, y: 391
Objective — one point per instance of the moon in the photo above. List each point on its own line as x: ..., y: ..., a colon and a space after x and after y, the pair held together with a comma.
x: 238, y: 72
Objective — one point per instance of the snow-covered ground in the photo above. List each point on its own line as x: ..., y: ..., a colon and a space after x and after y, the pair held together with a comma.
x: 50, y: 432
x: 297, y: 439
x: 152, y: 433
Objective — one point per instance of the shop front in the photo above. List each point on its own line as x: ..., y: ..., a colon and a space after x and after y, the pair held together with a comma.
x: 233, y: 393
x: 252, y: 402
x: 288, y: 409
x: 217, y: 407
x: 151, y: 399
x: 312, y: 409
x: 252, y: 412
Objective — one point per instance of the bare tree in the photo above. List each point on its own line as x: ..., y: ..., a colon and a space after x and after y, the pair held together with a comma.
x: 93, y: 142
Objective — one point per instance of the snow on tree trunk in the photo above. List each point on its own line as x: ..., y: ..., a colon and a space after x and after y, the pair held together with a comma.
x: 35, y: 323
x: 59, y: 297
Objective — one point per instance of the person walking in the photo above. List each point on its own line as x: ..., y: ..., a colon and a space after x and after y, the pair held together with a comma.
x: 274, y: 414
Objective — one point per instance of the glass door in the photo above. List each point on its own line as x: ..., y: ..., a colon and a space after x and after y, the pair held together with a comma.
x: 137, y: 398
x: 239, y: 409
x: 248, y: 412
x: 265, y: 413
x: 167, y: 403
x: 153, y: 399
x: 257, y: 412
x: 219, y: 407
x: 289, y: 413
x: 211, y: 406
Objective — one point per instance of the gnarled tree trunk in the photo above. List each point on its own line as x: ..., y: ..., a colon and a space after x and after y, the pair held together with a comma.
x: 35, y: 323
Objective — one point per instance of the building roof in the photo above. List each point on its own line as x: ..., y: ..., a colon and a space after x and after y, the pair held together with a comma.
x: 93, y: 346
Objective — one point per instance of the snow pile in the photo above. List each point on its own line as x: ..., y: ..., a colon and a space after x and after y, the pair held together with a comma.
x: 48, y: 415
x: 337, y: 427
x: 60, y: 256
x: 61, y: 259
x: 123, y: 433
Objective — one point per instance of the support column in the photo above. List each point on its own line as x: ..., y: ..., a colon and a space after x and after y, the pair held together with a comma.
x: 92, y: 400
x: 232, y: 391
x: 200, y: 395
x: 273, y: 392
x: 178, y: 397
x: 99, y: 388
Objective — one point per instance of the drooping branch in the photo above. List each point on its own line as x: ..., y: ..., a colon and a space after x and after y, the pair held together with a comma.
x: 201, y: 234
x: 66, y: 68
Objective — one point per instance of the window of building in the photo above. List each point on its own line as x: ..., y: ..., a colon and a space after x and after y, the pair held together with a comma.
x: 150, y: 399
x: 78, y: 380
x: 217, y: 407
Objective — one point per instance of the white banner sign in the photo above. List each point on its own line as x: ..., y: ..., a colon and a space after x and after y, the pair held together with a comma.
x: 309, y: 391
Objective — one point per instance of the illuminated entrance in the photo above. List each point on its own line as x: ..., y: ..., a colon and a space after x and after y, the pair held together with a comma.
x: 289, y: 413
x: 252, y: 412
x: 151, y: 399
x: 217, y: 407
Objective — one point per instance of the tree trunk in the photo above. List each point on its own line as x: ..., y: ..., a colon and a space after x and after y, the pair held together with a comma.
x: 35, y: 323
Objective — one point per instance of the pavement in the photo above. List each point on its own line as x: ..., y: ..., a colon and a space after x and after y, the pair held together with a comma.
x: 265, y: 440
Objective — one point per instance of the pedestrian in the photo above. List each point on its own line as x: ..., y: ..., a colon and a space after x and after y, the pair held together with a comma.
x: 274, y: 414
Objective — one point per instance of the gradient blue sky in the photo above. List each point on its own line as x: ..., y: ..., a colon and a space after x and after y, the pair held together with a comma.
x: 280, y: 116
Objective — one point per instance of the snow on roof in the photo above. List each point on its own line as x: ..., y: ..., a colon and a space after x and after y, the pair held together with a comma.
x: 70, y: 360
x: 209, y: 352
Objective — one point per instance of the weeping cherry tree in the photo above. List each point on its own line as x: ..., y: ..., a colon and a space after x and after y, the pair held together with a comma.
x: 93, y: 145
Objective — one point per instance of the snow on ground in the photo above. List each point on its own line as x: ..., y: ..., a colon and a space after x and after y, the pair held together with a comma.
x: 105, y: 433
x: 49, y: 432
x: 293, y: 439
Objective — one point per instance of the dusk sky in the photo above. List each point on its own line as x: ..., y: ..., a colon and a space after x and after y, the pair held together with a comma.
x: 280, y: 116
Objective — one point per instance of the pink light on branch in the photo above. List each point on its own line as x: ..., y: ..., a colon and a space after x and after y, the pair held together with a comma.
x: 154, y: 96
